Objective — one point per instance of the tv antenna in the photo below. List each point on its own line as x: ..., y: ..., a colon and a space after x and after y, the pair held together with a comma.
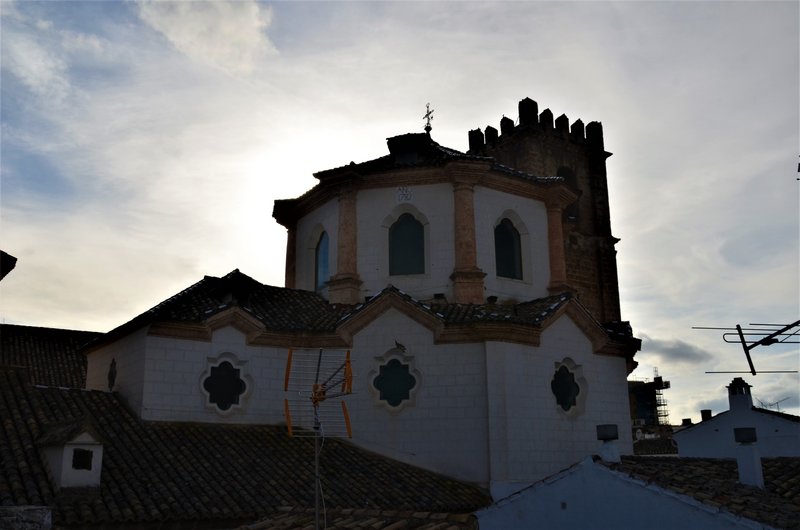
x: 776, y: 404
x: 311, y: 382
x: 762, y: 335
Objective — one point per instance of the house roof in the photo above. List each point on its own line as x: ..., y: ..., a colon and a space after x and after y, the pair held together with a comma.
x: 768, y: 412
x: 406, y: 151
x: 714, y: 482
x: 51, y: 355
x: 655, y: 446
x: 531, y: 313
x: 295, y: 311
x: 165, y: 473
x: 303, y: 519
x: 276, y: 308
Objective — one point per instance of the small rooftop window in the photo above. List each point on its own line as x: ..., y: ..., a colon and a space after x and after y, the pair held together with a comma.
x: 82, y: 459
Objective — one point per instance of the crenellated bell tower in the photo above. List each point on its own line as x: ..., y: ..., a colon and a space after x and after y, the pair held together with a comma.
x: 542, y: 146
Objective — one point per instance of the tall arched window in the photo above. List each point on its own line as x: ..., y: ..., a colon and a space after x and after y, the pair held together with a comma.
x: 406, y: 246
x: 507, y: 250
x: 321, y: 272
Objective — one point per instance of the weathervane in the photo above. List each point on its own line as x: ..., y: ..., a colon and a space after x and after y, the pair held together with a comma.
x: 428, y: 117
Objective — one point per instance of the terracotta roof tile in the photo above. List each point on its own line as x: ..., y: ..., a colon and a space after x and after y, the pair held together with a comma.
x: 285, y: 310
x: 303, y: 518
x: 715, y: 482
x: 176, y: 472
x: 51, y: 355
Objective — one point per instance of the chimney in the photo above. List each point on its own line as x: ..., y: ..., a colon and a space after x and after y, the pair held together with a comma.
x: 747, y: 458
x: 739, y: 395
x: 608, y: 434
x: 687, y: 422
x: 705, y: 414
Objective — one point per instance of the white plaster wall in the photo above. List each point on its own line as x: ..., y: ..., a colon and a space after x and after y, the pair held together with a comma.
x: 175, y: 368
x: 530, y: 435
x: 589, y: 496
x: 129, y: 353
x: 714, y: 438
x: 306, y: 240
x: 70, y: 477
x: 445, y: 429
x: 59, y: 460
x: 435, y: 202
x: 490, y: 206
x: 54, y: 455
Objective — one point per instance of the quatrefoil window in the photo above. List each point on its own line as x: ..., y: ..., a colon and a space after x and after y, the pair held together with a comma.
x: 224, y: 386
x: 394, y: 382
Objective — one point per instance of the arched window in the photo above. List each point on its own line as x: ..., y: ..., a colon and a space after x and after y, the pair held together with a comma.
x: 406, y: 246
x: 507, y: 250
x: 321, y: 272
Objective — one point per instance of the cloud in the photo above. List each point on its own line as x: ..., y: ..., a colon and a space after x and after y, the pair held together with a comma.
x: 40, y: 70
x: 675, y: 351
x: 227, y: 35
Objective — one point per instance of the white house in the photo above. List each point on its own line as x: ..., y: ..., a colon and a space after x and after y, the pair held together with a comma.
x: 777, y: 434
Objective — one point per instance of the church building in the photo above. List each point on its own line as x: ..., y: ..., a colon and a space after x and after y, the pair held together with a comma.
x: 476, y: 293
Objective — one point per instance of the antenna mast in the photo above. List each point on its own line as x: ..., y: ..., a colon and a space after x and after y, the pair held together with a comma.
x: 311, y: 380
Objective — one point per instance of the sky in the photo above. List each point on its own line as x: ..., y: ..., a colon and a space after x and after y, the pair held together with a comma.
x: 143, y: 144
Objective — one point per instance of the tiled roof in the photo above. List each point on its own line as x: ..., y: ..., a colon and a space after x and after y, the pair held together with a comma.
x: 778, y: 414
x: 782, y: 415
x: 655, y: 446
x: 530, y: 313
x: 278, y: 308
x: 296, y: 311
x: 163, y: 472
x: 303, y: 519
x: 51, y: 355
x: 427, y: 151
x: 715, y: 482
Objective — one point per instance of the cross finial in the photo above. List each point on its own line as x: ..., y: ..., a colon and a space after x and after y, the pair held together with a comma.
x: 428, y: 117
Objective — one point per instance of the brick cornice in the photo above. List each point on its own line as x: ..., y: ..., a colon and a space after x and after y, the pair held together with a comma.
x: 474, y: 172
